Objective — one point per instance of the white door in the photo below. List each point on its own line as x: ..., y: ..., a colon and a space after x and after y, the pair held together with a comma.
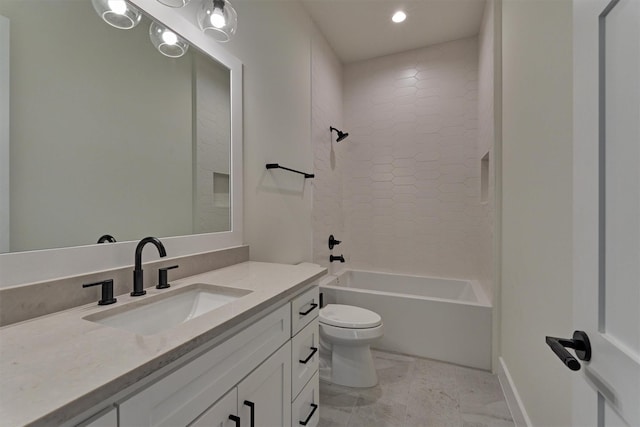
x: 607, y: 210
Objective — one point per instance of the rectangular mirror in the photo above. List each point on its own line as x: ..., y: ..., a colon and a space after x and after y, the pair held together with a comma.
x: 109, y: 136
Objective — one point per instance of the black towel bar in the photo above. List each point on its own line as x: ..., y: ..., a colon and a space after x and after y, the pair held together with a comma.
x: 277, y: 166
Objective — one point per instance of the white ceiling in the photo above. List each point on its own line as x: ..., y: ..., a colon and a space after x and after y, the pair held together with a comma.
x: 362, y: 29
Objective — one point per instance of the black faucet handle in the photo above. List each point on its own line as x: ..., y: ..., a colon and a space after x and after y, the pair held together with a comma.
x: 333, y: 242
x: 163, y: 281
x: 107, y: 291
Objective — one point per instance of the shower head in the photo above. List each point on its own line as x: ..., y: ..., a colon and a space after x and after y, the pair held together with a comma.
x: 341, y: 135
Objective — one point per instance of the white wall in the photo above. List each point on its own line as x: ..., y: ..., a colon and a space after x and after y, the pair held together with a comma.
x: 274, y: 43
x: 329, y: 156
x: 412, y: 193
x: 537, y: 202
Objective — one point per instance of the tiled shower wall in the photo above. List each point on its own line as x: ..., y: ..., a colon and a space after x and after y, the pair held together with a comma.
x: 326, y: 111
x: 212, y: 211
x: 411, y: 182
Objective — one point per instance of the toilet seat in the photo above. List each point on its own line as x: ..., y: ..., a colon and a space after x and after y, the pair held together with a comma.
x: 348, y: 316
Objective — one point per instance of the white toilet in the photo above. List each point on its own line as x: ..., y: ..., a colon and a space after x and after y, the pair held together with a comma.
x: 346, y: 333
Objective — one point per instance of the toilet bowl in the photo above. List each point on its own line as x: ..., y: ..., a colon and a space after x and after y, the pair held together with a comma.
x: 346, y: 333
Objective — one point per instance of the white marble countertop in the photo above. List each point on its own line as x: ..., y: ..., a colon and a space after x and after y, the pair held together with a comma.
x: 57, y: 366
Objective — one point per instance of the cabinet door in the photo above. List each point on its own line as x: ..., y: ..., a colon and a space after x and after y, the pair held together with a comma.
x: 266, y: 392
x: 218, y: 414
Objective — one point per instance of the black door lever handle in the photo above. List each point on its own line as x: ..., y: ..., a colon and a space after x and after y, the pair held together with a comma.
x: 580, y: 343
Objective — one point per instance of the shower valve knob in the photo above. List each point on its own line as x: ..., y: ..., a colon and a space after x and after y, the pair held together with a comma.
x: 333, y: 242
x: 333, y: 258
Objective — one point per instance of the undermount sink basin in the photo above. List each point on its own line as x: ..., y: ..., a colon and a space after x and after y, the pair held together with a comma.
x: 161, y: 312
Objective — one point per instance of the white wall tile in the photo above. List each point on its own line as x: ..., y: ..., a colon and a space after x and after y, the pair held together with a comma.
x: 403, y: 191
x: 415, y: 114
x: 329, y: 163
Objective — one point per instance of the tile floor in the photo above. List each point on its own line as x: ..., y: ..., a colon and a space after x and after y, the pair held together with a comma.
x: 416, y: 392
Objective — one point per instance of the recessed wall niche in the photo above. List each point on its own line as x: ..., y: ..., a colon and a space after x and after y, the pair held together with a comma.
x: 484, y: 178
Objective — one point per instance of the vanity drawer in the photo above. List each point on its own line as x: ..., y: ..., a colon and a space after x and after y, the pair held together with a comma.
x: 305, y: 354
x: 304, y: 308
x: 183, y: 395
x: 305, y: 409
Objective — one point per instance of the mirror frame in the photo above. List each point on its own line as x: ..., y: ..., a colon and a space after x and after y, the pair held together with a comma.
x: 19, y: 268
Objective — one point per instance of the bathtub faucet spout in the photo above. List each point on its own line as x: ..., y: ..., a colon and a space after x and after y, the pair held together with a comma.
x: 336, y: 258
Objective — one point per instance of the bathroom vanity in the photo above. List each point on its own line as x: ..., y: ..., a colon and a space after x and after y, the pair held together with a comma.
x: 252, y: 361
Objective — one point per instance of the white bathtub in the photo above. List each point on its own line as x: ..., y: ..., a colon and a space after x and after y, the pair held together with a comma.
x: 442, y: 319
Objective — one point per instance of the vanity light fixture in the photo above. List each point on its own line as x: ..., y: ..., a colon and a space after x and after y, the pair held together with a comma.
x: 399, y: 16
x: 166, y: 41
x: 117, y: 13
x: 218, y: 19
x: 174, y: 3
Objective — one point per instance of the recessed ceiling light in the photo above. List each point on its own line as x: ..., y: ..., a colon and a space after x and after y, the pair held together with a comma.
x: 399, y: 16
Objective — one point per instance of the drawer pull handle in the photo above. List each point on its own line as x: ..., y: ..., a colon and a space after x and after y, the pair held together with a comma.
x: 313, y: 411
x: 304, y: 313
x: 313, y: 351
x: 252, y: 407
x: 235, y: 419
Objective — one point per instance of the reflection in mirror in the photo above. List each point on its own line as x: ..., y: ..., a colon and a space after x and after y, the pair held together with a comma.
x: 107, y: 135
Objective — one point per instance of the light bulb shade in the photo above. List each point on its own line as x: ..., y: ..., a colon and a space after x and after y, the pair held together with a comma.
x: 218, y: 19
x: 166, y: 41
x: 117, y: 13
x: 174, y: 3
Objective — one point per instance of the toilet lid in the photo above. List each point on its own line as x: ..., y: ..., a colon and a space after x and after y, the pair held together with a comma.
x: 348, y: 316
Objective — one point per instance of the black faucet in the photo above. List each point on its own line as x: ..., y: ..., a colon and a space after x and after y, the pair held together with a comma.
x: 336, y: 258
x: 138, y: 284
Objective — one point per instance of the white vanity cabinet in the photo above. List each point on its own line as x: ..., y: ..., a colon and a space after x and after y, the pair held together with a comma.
x: 304, y: 308
x: 305, y: 409
x: 223, y: 413
x: 180, y: 397
x: 261, y: 399
x: 305, y: 348
x: 257, y: 375
x: 264, y: 397
x: 305, y: 357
